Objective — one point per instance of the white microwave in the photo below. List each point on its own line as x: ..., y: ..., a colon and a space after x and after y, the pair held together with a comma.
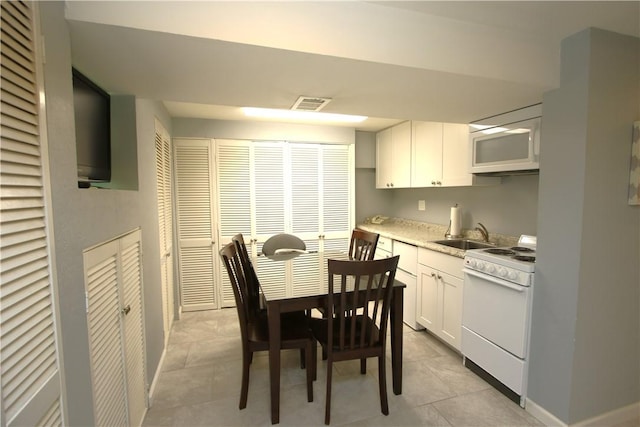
x: 505, y: 148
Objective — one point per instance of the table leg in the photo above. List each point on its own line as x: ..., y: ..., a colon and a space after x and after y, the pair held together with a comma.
x: 396, y: 338
x: 273, y: 309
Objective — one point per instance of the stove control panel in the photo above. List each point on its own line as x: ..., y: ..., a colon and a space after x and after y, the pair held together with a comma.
x: 502, y: 272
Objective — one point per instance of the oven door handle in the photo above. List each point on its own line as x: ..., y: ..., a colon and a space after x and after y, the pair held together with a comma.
x: 495, y: 280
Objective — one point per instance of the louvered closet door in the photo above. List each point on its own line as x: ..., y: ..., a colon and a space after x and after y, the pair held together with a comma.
x: 133, y: 325
x: 305, y: 162
x: 165, y: 224
x: 30, y: 389
x: 337, y: 195
x: 234, y: 166
x: 195, y: 223
x: 105, y: 335
x: 269, y: 180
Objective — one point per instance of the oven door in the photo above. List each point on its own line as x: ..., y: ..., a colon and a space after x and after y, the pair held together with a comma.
x: 497, y: 310
x: 507, y: 148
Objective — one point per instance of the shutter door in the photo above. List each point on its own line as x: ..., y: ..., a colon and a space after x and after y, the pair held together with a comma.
x: 305, y: 191
x: 105, y: 335
x: 165, y: 223
x: 234, y: 198
x: 336, y: 197
x: 195, y: 224
x: 30, y: 389
x: 269, y: 186
x: 133, y: 325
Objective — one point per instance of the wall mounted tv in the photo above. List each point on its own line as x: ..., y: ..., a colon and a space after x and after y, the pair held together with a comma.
x: 92, y: 107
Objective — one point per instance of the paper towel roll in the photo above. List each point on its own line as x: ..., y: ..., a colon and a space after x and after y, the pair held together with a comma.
x: 456, y: 221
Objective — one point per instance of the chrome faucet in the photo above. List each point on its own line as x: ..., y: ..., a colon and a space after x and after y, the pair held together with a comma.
x: 483, y: 230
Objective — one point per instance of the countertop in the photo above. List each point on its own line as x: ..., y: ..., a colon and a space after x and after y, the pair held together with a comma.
x: 422, y: 234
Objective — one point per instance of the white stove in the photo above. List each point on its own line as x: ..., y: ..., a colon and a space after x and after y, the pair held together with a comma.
x: 496, y: 314
x: 515, y: 264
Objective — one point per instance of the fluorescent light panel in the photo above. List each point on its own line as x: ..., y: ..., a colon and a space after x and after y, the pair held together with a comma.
x: 270, y: 113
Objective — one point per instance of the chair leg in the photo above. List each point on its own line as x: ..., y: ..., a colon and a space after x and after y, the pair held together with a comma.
x: 314, y: 358
x: 327, y: 407
x: 363, y: 366
x: 302, y: 359
x: 382, y: 382
x: 310, y: 370
x: 244, y: 390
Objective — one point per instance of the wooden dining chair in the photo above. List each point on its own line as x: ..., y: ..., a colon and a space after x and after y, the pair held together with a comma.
x: 253, y: 289
x: 254, y: 328
x: 359, y: 300
x: 363, y: 244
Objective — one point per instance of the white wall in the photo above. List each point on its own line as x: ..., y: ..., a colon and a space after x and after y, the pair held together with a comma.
x: 86, y: 217
x: 585, y: 343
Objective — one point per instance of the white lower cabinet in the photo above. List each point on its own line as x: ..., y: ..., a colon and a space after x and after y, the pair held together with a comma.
x: 115, y: 319
x: 439, y: 295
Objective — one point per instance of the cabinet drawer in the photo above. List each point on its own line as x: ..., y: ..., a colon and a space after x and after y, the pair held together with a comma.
x: 408, y: 256
x: 446, y: 263
x: 384, y: 244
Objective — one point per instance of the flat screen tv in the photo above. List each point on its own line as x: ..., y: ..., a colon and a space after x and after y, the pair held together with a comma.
x: 92, y: 108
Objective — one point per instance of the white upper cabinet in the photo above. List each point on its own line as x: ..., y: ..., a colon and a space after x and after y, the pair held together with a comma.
x: 426, y: 154
x: 393, y: 157
x: 420, y: 154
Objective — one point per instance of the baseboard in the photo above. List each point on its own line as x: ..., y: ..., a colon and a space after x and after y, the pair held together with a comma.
x: 612, y: 418
x: 156, y: 378
x: 544, y: 416
x: 617, y: 416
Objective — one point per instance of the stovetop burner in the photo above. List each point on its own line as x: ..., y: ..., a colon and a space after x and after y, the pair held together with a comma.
x: 522, y: 249
x: 499, y: 251
x: 525, y: 258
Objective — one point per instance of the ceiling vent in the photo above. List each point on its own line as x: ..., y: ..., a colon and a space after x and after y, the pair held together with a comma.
x: 310, y: 103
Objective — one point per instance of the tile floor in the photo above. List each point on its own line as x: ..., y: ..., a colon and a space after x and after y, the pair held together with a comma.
x: 200, y: 385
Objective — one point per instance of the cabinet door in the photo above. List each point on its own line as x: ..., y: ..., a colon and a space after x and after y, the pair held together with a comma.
x: 427, y: 296
x: 450, y: 316
x: 455, y: 155
x: 384, y: 160
x: 401, y: 155
x: 426, y: 160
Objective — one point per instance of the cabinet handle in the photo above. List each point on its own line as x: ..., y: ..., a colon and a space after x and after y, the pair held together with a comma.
x: 439, y: 182
x: 439, y: 277
x: 126, y: 310
x: 433, y: 183
x: 433, y: 274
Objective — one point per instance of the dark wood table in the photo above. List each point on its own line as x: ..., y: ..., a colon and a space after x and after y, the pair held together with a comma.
x: 312, y: 268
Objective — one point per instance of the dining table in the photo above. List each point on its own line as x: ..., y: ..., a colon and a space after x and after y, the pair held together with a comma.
x: 307, y: 273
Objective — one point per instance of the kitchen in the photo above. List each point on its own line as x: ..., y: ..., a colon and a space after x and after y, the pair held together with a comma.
x: 556, y: 207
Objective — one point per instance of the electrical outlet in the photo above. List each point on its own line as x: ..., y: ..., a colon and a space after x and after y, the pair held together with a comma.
x: 421, y: 205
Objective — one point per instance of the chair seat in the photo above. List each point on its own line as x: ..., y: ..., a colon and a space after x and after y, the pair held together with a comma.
x: 293, y: 327
x: 320, y: 329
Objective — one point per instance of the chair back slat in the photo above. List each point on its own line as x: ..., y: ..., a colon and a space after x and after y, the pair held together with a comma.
x: 251, y: 278
x: 363, y: 244
x: 359, y: 296
x: 231, y: 259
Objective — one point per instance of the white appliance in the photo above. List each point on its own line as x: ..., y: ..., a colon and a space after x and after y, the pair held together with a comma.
x: 407, y: 274
x: 496, y: 315
x: 508, y: 142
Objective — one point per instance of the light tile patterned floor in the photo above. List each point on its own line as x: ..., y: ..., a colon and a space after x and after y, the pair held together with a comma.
x: 200, y: 385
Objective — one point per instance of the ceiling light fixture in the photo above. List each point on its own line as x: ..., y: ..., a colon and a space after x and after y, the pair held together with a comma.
x: 270, y: 113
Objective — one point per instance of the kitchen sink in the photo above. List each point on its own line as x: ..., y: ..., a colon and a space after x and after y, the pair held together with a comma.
x: 463, y: 244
